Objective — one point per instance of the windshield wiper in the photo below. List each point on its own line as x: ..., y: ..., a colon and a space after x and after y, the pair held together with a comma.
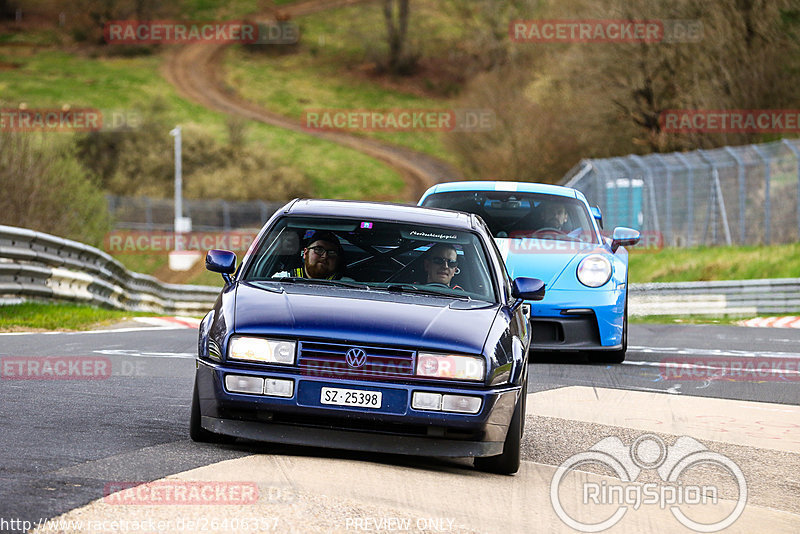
x: 340, y: 283
x: 402, y: 288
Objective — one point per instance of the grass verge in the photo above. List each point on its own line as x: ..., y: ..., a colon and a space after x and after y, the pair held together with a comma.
x: 58, y: 316
x: 715, y: 263
x: 694, y: 319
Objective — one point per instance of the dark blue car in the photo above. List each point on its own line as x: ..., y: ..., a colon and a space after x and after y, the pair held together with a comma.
x: 416, y: 343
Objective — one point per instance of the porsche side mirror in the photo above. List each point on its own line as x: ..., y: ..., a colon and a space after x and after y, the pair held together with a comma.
x: 598, y: 215
x: 624, y: 237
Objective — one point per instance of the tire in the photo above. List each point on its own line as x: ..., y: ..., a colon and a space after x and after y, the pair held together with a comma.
x: 508, y: 462
x: 616, y: 356
x: 196, y: 431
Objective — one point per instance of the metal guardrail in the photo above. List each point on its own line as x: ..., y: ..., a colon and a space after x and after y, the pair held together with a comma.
x: 38, y: 265
x: 730, y: 297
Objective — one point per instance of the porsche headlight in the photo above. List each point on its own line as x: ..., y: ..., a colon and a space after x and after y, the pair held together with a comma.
x: 452, y: 366
x: 594, y: 270
x: 260, y: 350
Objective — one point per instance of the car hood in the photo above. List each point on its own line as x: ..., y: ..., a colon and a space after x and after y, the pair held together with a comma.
x: 545, y: 259
x: 360, y: 316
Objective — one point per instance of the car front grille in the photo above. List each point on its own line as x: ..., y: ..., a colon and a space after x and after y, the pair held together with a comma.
x: 330, y: 360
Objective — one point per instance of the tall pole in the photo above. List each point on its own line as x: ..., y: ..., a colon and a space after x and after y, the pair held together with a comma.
x: 176, y: 133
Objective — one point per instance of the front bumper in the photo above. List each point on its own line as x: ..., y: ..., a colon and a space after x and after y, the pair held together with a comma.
x: 578, y: 320
x: 396, y: 427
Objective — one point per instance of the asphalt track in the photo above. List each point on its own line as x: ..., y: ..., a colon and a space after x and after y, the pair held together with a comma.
x: 64, y: 441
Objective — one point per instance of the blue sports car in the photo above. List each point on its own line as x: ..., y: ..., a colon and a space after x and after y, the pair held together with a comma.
x: 368, y: 326
x: 551, y: 232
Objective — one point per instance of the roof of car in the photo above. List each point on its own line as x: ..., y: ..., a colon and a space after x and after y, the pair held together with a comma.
x: 381, y: 211
x: 524, y: 187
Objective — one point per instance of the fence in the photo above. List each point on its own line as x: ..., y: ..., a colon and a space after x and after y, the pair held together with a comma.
x: 154, y: 214
x: 745, y: 195
x: 42, y: 266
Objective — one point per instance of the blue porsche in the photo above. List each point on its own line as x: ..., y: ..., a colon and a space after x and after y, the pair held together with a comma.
x: 368, y: 326
x: 550, y: 232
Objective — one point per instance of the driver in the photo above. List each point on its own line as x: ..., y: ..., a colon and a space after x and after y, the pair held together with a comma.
x: 441, y: 264
x: 322, y: 258
x: 555, y: 216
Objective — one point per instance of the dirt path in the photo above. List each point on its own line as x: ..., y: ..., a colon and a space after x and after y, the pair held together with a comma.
x: 196, y: 71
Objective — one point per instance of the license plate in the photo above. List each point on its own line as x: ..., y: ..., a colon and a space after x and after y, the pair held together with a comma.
x: 351, y: 397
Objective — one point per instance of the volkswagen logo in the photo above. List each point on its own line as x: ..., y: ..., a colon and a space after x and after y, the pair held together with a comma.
x: 356, y: 357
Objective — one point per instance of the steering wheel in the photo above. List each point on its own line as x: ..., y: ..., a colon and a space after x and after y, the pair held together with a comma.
x: 550, y: 229
x: 439, y: 284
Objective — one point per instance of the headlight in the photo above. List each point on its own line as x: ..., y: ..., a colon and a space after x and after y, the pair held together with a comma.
x: 255, y: 349
x: 451, y: 366
x: 594, y: 270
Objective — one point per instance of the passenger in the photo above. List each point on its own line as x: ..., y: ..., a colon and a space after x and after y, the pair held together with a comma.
x: 441, y: 264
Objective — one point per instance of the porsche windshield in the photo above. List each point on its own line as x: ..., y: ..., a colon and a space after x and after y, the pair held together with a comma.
x: 518, y: 214
x: 374, y: 255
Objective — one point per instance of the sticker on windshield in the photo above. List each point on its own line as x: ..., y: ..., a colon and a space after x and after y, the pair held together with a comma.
x: 416, y: 234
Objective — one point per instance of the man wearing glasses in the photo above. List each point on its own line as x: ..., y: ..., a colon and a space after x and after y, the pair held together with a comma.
x: 322, y: 258
x: 441, y: 264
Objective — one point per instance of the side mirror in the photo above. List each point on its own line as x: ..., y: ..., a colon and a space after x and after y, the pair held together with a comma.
x: 221, y: 261
x: 624, y: 237
x: 598, y: 215
x: 523, y: 289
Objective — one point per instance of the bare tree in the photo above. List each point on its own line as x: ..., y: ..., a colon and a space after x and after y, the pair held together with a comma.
x: 396, y: 14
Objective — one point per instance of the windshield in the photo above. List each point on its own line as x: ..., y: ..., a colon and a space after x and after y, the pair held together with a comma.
x: 517, y: 215
x: 374, y: 255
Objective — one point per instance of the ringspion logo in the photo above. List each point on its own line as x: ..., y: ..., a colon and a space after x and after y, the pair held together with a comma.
x: 604, y: 503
